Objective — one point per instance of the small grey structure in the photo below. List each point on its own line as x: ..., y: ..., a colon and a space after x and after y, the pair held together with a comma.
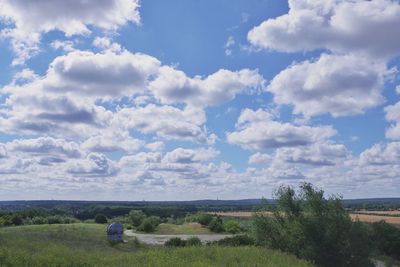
x: 115, y: 232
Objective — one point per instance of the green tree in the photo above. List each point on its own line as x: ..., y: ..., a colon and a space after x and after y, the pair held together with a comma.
x: 386, y: 237
x: 216, y: 225
x: 232, y: 226
x: 100, y: 218
x: 147, y: 226
x: 204, y: 218
x: 136, y: 217
x: 314, y: 228
x: 16, y: 219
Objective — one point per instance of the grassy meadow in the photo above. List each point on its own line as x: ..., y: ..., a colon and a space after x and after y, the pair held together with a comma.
x: 187, y: 229
x: 86, y: 245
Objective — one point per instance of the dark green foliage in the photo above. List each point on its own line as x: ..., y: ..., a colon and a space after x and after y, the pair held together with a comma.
x: 100, y: 218
x: 232, y: 226
x: 149, y: 224
x: 175, y: 242
x: 236, y: 241
x: 314, y: 228
x: 216, y: 225
x: 38, y: 220
x: 136, y: 217
x: 16, y: 219
x: 204, y: 219
x: 193, y: 241
x: 386, y: 238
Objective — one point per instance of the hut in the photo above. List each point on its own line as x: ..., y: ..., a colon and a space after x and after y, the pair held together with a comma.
x: 115, y: 232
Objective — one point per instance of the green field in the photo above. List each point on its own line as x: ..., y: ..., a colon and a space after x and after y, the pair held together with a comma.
x: 85, y: 245
x: 187, y: 228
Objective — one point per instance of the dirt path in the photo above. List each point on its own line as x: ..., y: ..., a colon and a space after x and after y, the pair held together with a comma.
x: 153, y: 239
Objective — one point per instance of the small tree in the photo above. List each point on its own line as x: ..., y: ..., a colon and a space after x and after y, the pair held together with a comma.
x: 216, y: 225
x: 136, y: 217
x: 16, y: 219
x: 147, y: 226
x: 314, y: 228
x: 100, y: 218
x: 204, y: 218
x: 232, y: 226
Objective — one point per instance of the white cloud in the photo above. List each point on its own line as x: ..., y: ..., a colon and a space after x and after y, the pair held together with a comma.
x: 339, y: 85
x: 381, y: 154
x: 165, y: 121
x: 187, y: 156
x: 393, y: 115
x: 155, y: 146
x: 110, y: 142
x: 256, y: 131
x: 259, y: 158
x: 339, y: 26
x: 173, y: 86
x: 30, y: 20
x: 228, y: 45
x: 94, y: 165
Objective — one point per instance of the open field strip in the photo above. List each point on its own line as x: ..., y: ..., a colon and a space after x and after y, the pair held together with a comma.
x: 362, y: 217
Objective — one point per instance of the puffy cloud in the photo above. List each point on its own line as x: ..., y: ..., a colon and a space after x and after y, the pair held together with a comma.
x: 381, y: 154
x: 259, y: 158
x: 102, y: 75
x: 255, y: 130
x: 322, y: 154
x: 339, y: 26
x: 165, y: 121
x: 173, y: 86
x: 155, y: 146
x: 393, y: 115
x: 339, y: 85
x: 94, y: 165
x: 111, y: 142
x: 181, y: 155
x: 46, y: 145
x: 31, y: 19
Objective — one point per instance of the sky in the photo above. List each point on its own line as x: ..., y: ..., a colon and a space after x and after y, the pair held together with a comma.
x: 184, y: 99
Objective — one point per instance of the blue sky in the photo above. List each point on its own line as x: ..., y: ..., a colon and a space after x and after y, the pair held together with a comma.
x: 177, y: 100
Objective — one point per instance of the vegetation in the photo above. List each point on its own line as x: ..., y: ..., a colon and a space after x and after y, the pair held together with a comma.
x: 85, y: 245
x: 136, y: 217
x: 314, y: 228
x: 100, y: 218
x: 387, y: 239
x: 232, y: 226
x: 216, y: 225
x: 187, y: 228
x: 236, y: 241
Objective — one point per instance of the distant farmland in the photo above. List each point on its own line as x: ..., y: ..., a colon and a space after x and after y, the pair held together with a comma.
x: 363, y: 216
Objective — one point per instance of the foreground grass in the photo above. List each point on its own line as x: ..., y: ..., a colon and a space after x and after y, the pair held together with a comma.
x: 187, y: 228
x: 85, y: 245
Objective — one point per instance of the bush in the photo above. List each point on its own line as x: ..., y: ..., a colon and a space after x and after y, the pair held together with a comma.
x: 16, y: 219
x: 136, y: 217
x: 204, y: 219
x: 236, y: 241
x: 147, y: 226
x: 314, y: 228
x: 100, y: 218
x: 232, y: 226
x: 386, y: 238
x: 56, y: 219
x: 175, y: 242
x: 216, y: 225
x: 38, y: 220
x: 193, y: 241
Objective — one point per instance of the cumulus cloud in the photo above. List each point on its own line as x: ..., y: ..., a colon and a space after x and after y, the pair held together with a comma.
x: 350, y: 78
x: 381, y: 154
x: 94, y: 165
x: 111, y: 142
x: 255, y: 130
x: 260, y: 158
x: 166, y: 121
x: 173, y: 86
x: 393, y: 115
x: 339, y: 85
x: 181, y: 155
x: 29, y: 20
x: 339, y: 26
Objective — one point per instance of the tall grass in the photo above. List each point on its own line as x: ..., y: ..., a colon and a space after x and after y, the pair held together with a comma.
x: 86, y: 245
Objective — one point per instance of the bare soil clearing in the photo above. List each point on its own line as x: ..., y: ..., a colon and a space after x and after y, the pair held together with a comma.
x: 157, y: 239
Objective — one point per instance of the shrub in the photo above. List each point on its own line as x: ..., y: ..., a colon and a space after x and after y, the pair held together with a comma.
x: 193, y: 241
x: 314, y: 228
x: 386, y: 238
x: 232, y: 226
x: 204, y: 218
x: 136, y: 217
x: 147, y: 226
x: 100, y: 218
x: 175, y: 242
x: 236, y: 241
x: 16, y: 219
x: 38, y: 220
x: 216, y: 225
